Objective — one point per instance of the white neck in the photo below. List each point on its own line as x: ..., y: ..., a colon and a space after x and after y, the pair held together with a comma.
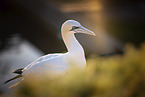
x: 71, y: 43
x: 75, y: 50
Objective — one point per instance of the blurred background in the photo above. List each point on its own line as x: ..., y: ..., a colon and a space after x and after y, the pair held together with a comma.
x: 31, y: 28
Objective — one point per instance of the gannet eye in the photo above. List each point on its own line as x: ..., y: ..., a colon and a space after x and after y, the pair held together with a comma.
x: 74, y: 27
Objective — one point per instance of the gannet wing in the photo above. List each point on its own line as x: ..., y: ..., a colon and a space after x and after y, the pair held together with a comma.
x: 37, y: 63
x: 47, y: 62
x: 45, y: 57
x: 51, y: 64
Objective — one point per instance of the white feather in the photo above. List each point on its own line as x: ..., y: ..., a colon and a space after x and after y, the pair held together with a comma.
x: 61, y: 62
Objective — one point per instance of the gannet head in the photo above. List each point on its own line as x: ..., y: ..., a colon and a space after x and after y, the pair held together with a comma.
x: 72, y: 26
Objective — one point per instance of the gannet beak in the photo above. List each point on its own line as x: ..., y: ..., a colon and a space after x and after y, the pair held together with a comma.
x: 86, y: 31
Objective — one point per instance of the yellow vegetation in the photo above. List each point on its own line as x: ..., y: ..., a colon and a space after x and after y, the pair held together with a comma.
x: 111, y: 76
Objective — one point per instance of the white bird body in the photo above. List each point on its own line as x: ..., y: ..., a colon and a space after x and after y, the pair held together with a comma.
x: 54, y: 64
x: 60, y: 62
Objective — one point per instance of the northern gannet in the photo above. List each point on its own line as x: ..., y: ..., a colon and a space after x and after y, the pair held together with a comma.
x: 59, y: 62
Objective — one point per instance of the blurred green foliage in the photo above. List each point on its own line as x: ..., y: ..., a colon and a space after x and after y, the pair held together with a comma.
x: 111, y: 76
